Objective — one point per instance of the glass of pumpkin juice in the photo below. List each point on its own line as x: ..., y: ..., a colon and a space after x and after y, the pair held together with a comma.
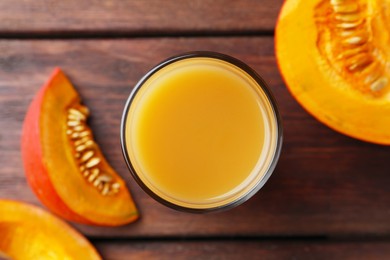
x: 201, y: 132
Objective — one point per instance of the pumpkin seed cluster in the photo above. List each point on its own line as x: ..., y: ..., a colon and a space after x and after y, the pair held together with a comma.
x: 85, y: 152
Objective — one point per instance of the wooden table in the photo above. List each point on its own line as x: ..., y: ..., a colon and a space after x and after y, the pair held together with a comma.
x: 328, y: 198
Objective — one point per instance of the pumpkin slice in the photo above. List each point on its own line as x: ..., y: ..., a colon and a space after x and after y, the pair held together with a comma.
x: 27, y: 232
x: 334, y: 56
x: 64, y: 165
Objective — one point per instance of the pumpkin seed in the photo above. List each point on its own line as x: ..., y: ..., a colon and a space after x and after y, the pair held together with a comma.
x: 74, y: 135
x: 93, y: 175
x: 76, y: 113
x: 87, y: 155
x: 78, y: 128
x: 115, y: 185
x: 347, y: 33
x: 355, y: 40
x: 96, y: 182
x: 92, y: 162
x: 353, y: 51
x: 105, y: 178
x: 350, y: 25
x: 346, y: 8
x: 379, y: 84
x: 86, y: 173
x: 80, y: 148
x: 359, y: 62
x: 348, y: 17
x: 73, y: 123
x: 85, y: 133
x: 81, y: 141
x: 95, y: 170
x: 83, y: 110
x: 337, y: 2
x: 106, y: 189
x: 89, y: 143
x: 374, y: 73
x: 74, y: 117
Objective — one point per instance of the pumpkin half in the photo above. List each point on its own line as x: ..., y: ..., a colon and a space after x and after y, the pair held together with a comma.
x: 27, y: 232
x: 334, y: 57
x: 64, y: 165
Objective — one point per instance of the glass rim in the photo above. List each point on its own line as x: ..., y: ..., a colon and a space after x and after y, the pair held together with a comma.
x: 264, y: 87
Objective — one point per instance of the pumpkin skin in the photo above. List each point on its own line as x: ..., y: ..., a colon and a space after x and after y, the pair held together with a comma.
x: 334, y: 57
x: 58, y: 173
x: 28, y: 232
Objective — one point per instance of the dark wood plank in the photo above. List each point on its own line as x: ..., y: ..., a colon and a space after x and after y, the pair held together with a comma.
x: 135, y: 17
x: 244, y: 250
x: 325, y: 183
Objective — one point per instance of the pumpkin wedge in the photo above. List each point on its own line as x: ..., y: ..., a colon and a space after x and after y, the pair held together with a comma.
x: 64, y: 165
x: 334, y: 56
x: 27, y: 232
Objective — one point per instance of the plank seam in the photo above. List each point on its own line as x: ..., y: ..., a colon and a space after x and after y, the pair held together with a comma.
x: 65, y: 35
x: 319, y: 238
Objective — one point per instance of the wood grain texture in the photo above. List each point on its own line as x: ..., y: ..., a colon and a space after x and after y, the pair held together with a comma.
x: 244, y: 250
x: 136, y: 16
x: 325, y: 184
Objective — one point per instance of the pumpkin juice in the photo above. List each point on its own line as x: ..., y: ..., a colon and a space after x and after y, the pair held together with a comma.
x: 200, y: 133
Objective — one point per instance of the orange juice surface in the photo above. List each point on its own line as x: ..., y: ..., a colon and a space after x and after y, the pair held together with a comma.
x: 199, y: 132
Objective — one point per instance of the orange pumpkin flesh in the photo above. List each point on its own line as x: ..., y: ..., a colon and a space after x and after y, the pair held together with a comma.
x: 27, y: 232
x: 63, y: 164
x: 334, y: 57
